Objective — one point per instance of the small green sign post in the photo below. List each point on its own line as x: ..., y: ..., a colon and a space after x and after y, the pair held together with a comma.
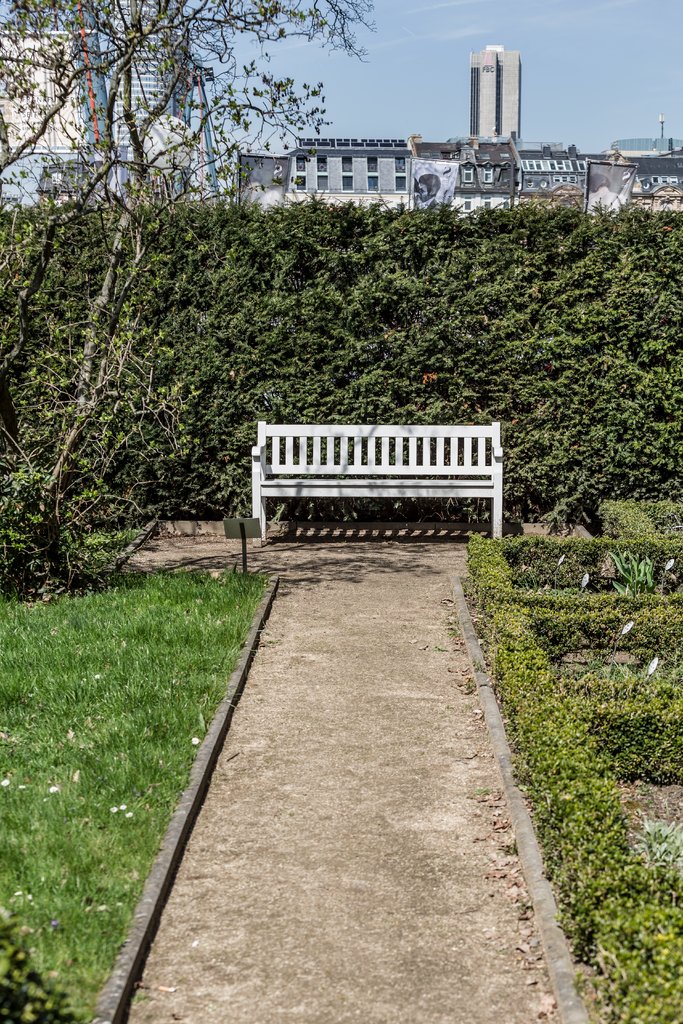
x: 242, y: 528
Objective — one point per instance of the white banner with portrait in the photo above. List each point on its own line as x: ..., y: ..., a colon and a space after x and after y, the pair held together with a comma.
x: 608, y: 185
x: 263, y: 179
x: 434, y: 182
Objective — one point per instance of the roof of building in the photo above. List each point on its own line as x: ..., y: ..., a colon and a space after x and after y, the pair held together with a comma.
x: 663, y: 165
x: 645, y: 145
x: 482, y: 152
x: 362, y: 144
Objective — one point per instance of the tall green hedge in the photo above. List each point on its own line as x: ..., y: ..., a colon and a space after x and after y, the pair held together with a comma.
x: 565, y: 327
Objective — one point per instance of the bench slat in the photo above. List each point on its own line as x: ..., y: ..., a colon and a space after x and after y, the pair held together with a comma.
x: 351, y: 471
x: 358, y: 488
x: 275, y: 452
x: 364, y: 430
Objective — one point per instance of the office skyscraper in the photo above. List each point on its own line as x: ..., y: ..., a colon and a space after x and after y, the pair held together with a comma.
x: 495, y: 92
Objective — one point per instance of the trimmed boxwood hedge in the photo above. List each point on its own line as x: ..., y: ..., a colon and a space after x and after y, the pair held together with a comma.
x: 636, y: 519
x: 575, y: 738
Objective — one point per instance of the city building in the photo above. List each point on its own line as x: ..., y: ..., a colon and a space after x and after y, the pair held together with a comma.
x: 333, y: 170
x: 484, y: 172
x: 351, y: 170
x: 659, y: 182
x: 548, y: 172
x: 495, y: 92
x: 646, y: 147
x: 25, y: 114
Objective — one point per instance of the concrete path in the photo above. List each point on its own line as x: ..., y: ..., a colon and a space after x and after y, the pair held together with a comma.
x: 353, y: 861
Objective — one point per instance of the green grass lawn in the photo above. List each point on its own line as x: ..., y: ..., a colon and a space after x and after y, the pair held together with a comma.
x: 102, y: 701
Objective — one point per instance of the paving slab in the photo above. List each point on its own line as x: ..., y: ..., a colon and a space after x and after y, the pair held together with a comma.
x: 353, y: 860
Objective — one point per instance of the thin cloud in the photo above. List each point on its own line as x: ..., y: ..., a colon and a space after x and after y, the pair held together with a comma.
x: 578, y: 15
x: 436, y: 36
x: 444, y: 5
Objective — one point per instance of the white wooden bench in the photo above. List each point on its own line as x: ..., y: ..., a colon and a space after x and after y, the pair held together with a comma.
x: 349, y: 461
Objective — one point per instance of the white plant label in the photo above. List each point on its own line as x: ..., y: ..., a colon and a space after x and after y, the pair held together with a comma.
x: 627, y: 628
x: 652, y: 667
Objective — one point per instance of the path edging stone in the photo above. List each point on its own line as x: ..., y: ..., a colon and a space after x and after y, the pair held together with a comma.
x: 113, y: 1003
x: 137, y: 542
x: 561, y: 969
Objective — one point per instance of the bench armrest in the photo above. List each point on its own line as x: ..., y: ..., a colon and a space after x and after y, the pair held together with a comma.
x: 498, y: 453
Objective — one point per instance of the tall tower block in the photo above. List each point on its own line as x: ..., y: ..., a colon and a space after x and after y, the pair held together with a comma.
x: 495, y: 92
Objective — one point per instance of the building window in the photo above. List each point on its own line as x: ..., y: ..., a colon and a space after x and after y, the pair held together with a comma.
x: 400, y: 182
x: 347, y: 165
x: 400, y: 162
x: 347, y: 183
x: 372, y: 165
x: 323, y: 183
x: 467, y: 205
x: 301, y: 163
x: 373, y: 182
x: 300, y: 182
x: 322, y: 165
x: 487, y: 204
x: 467, y: 175
x: 488, y: 175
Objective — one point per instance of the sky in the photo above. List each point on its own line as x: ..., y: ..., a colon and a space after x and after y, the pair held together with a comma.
x: 592, y: 72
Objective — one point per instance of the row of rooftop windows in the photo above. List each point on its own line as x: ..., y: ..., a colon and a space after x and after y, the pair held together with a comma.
x: 347, y: 164
x: 351, y: 183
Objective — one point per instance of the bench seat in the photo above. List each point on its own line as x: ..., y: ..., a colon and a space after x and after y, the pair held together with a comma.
x: 367, y: 461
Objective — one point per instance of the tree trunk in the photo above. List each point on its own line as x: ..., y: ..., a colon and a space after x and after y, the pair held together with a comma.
x: 8, y: 418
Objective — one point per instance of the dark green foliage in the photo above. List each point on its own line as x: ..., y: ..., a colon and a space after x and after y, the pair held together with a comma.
x: 635, y: 575
x: 643, y: 737
x: 632, y: 519
x: 35, y: 557
x: 565, y: 327
x: 25, y: 998
x: 576, y: 737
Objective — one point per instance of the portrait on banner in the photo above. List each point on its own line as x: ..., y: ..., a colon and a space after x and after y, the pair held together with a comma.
x: 434, y: 183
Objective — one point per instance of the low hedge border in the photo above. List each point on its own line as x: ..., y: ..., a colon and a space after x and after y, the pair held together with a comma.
x: 533, y: 560
x: 619, y: 914
x: 628, y: 520
x: 571, y: 622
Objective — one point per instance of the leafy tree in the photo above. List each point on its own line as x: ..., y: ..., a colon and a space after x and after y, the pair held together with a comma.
x: 128, y: 167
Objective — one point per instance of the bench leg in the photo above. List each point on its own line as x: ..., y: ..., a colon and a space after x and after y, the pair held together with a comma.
x: 258, y: 500
x: 497, y: 510
x: 262, y: 519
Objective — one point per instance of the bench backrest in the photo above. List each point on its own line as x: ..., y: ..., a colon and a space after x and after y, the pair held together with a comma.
x: 355, y: 450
